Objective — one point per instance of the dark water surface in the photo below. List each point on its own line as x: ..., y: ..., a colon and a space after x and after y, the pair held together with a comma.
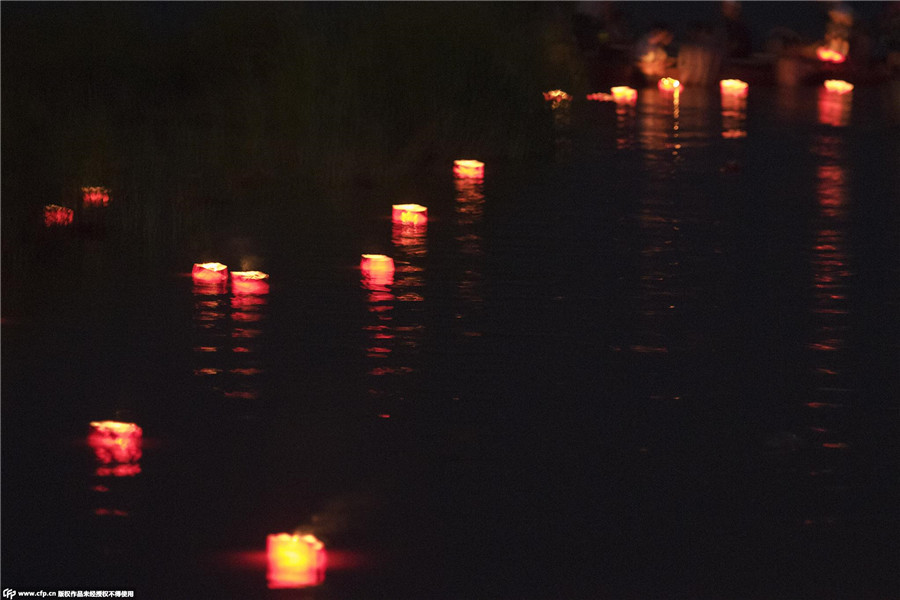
x: 663, y: 364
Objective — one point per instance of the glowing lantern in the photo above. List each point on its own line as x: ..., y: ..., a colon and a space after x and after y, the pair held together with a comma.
x: 838, y: 86
x: 211, y: 272
x: 409, y: 214
x: 667, y: 84
x: 600, y: 97
x: 826, y: 54
x: 95, y: 196
x: 249, y: 282
x: 622, y: 94
x: 57, y: 215
x: 556, y: 97
x: 117, y: 444
x: 378, y: 269
x: 295, y: 561
x: 468, y: 169
x: 733, y: 87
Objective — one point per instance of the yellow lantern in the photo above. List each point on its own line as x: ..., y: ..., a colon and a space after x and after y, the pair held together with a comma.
x: 468, y: 169
x: 622, y: 94
x: 838, y: 86
x: 733, y: 87
x: 295, y: 561
x: 211, y: 272
x: 826, y: 54
x: 409, y: 214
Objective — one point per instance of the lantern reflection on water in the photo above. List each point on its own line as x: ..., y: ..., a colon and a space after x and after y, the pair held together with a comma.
x: 295, y: 561
x: 834, y: 108
x: 211, y: 272
x: 468, y: 169
x: 57, y: 215
x: 667, y: 84
x: 95, y: 196
x: 838, y: 86
x: 249, y: 282
x: 409, y: 214
x: 116, y: 445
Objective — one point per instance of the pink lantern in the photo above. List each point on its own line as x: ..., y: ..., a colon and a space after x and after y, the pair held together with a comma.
x: 468, y: 169
x: 622, y: 94
x: 733, y: 87
x: 667, y: 84
x: 295, y: 561
x: 838, y: 86
x: 249, y: 282
x: 95, y: 196
x: 57, y: 215
x: 117, y: 446
x: 377, y: 269
x: 211, y: 272
x: 409, y: 214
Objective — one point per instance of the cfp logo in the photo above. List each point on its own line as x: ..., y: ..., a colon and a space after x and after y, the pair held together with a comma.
x: 8, y: 593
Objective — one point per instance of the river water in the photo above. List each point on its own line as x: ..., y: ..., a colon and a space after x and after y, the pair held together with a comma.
x: 662, y: 363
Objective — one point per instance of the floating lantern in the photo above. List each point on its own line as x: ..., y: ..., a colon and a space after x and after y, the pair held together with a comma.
x: 95, y: 196
x: 733, y: 87
x: 57, y: 215
x: 118, y: 444
x: 622, y: 94
x: 249, y: 282
x: 600, y: 97
x: 409, y: 214
x: 826, y: 54
x: 667, y: 84
x: 295, y: 561
x: 838, y: 86
x: 377, y: 269
x: 472, y: 169
x: 211, y: 272
x: 556, y: 97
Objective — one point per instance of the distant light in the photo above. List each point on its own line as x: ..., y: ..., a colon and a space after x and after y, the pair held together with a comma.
x: 600, y: 97
x: 295, y: 561
x: 117, y: 446
x: 622, y: 94
x: 838, y: 86
x: 249, y: 282
x: 55, y: 215
x: 826, y: 54
x: 667, y: 84
x: 471, y: 169
x: 556, y: 97
x: 95, y: 196
x: 733, y: 87
x: 409, y: 214
x: 211, y: 272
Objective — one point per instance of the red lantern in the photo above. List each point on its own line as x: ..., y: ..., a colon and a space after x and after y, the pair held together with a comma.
x: 838, y: 86
x: 622, y: 94
x: 826, y: 54
x: 468, y: 169
x: 377, y: 269
x: 295, y: 561
x: 95, y: 196
x: 117, y: 446
x: 249, y: 282
x: 733, y: 87
x: 57, y: 215
x: 667, y: 84
x: 211, y: 272
x: 409, y: 214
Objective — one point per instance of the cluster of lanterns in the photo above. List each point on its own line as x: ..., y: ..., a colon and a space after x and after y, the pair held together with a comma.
x: 242, y: 282
x: 62, y: 216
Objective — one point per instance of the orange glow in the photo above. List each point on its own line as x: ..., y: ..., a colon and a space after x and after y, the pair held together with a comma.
x: 838, y: 86
x: 95, y: 196
x: 409, y: 214
x: 211, y: 272
x: 667, y: 84
x: 377, y: 269
x: 826, y: 54
x: 473, y: 169
x: 600, y: 97
x: 57, y: 215
x: 622, y: 94
x: 118, y: 444
x: 733, y: 87
x: 556, y: 97
x: 295, y: 561
x: 249, y: 282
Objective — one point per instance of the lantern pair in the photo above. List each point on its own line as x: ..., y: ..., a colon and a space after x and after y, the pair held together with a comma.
x: 246, y: 282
